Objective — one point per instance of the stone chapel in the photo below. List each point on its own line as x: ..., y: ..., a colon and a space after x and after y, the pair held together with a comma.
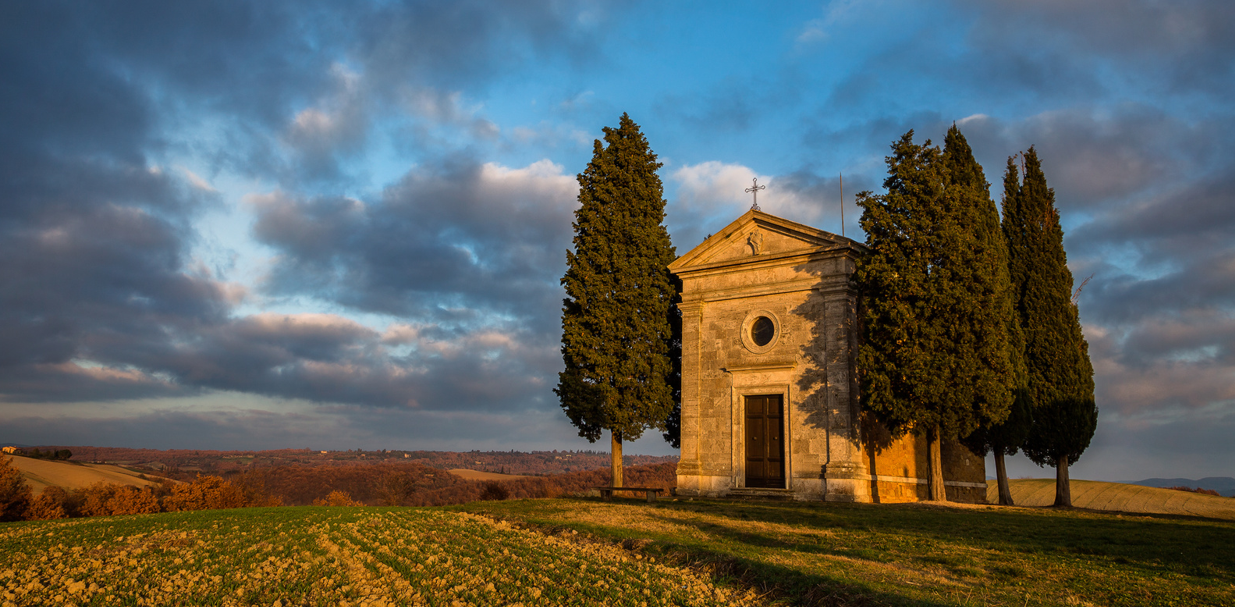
x: 769, y: 384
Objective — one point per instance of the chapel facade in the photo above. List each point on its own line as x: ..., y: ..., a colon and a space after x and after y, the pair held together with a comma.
x: 769, y: 383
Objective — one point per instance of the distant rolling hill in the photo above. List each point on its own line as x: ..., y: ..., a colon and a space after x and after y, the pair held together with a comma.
x: 1119, y: 497
x: 1222, y: 484
x: 41, y: 473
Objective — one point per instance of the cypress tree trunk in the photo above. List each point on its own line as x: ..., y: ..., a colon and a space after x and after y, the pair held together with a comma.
x: 935, y: 482
x: 1001, y: 474
x: 616, y: 457
x: 1063, y: 488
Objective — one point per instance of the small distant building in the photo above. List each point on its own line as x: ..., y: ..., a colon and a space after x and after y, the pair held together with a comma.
x: 12, y: 450
x: 769, y: 378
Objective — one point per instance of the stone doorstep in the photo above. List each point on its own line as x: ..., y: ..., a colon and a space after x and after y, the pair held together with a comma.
x: 760, y: 493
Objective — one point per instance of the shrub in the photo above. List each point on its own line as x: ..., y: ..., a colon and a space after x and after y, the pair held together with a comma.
x: 45, y: 508
x: 494, y: 492
x: 15, y: 494
x: 96, y: 499
x: 205, y: 493
x: 128, y: 499
x: 337, y: 498
x: 54, y: 502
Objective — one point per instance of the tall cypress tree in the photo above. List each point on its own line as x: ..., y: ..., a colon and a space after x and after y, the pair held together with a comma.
x: 617, y: 335
x: 1060, y: 376
x: 995, y: 329
x: 935, y: 357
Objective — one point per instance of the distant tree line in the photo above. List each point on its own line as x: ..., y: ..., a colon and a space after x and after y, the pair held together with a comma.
x: 51, y: 454
x: 186, y: 464
x: 1196, y: 490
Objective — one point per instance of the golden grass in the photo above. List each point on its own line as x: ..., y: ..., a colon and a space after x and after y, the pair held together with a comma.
x: 40, y: 474
x: 1118, y: 497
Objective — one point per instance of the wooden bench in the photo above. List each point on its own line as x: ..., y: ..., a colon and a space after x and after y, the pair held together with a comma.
x: 651, y: 492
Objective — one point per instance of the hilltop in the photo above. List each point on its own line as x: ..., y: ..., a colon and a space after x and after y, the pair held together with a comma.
x: 1224, y: 485
x: 74, y: 475
x: 1117, y: 497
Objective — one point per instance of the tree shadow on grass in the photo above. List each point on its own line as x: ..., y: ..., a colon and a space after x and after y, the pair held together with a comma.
x: 729, y: 560
x: 1156, y: 545
x: 987, y: 545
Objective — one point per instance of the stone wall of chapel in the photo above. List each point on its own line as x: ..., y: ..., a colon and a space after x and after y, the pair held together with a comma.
x: 899, y: 470
x: 727, y: 373
x: 810, y: 302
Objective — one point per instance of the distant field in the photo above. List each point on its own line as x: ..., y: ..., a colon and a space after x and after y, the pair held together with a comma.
x: 42, y: 473
x: 1096, y: 495
x: 367, y: 556
x: 477, y: 475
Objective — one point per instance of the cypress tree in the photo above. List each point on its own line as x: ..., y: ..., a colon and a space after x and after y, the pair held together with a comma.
x: 1059, y: 374
x: 995, y: 328
x: 617, y: 333
x: 936, y: 354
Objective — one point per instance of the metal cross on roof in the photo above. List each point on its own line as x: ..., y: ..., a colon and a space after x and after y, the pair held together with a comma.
x: 754, y: 189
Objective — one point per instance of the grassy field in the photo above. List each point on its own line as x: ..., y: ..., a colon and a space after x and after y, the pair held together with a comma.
x: 625, y: 552
x: 358, y: 556
x: 1118, y: 497
x: 838, y: 554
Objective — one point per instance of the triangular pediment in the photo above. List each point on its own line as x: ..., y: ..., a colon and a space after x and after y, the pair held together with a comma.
x: 757, y: 235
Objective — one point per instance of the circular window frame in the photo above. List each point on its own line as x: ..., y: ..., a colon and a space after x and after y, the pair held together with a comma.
x: 749, y: 342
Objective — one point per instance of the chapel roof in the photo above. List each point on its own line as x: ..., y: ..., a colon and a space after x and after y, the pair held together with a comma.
x: 776, y: 238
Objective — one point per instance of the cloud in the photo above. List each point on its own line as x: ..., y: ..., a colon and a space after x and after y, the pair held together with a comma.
x: 711, y: 194
x: 455, y: 234
x: 1183, y: 44
x: 838, y: 13
x: 103, y: 299
x: 228, y: 420
x: 1097, y: 156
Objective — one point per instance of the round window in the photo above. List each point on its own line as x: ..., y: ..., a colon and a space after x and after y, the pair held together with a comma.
x: 762, y: 331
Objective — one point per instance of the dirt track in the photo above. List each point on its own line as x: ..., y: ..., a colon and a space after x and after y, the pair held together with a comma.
x: 476, y: 475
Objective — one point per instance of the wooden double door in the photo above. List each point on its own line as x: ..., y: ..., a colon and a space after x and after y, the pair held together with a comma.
x: 765, y: 441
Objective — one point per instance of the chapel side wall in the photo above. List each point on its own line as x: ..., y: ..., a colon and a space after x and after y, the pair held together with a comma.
x: 899, y: 471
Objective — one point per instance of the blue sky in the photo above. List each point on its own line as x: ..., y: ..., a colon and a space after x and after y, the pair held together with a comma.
x: 342, y: 225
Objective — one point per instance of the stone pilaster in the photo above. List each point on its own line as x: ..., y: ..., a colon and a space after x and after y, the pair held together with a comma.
x: 689, y: 466
x: 845, y: 475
